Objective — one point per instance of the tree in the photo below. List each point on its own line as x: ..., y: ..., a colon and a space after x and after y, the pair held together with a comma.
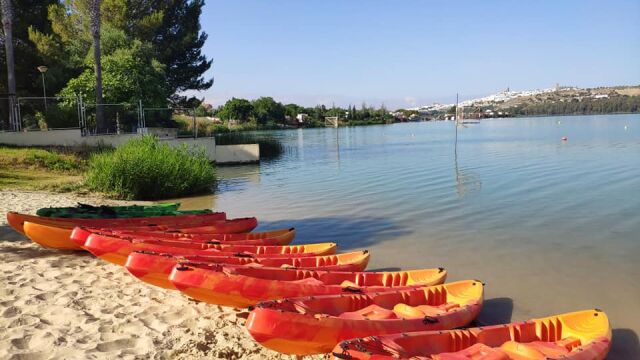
x: 95, y: 34
x: 173, y: 27
x: 267, y: 110
x: 236, y: 109
x: 7, y: 26
x: 293, y: 109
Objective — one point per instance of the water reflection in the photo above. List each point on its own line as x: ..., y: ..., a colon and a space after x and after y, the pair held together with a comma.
x: 237, y: 178
x: 196, y: 202
x: 466, y: 180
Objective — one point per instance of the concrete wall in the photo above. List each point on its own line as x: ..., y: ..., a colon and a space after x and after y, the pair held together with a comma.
x: 41, y: 138
x: 72, y: 137
x: 238, y: 154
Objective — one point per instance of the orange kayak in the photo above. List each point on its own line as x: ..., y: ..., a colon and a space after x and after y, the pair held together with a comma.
x: 314, y: 325
x: 245, y: 286
x: 16, y: 220
x: 581, y: 335
x: 271, y: 237
x: 155, y: 268
x: 116, y: 250
x: 62, y: 238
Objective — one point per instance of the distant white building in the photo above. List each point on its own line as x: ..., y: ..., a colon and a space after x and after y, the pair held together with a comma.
x: 302, y: 118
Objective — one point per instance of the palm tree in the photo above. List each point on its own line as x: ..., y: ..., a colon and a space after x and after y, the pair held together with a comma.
x: 7, y: 25
x: 95, y: 32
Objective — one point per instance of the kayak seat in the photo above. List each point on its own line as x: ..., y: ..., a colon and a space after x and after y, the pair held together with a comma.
x: 420, y: 311
x: 308, y: 281
x: 371, y: 312
x: 534, y: 350
x: 348, y: 283
x: 476, y: 351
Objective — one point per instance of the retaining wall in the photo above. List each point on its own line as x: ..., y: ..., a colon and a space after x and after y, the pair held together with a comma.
x: 223, y: 154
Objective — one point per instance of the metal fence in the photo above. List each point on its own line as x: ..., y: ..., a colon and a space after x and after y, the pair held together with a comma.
x: 49, y: 113
x: 182, y: 118
x: 9, y: 119
x: 39, y: 113
x: 119, y: 118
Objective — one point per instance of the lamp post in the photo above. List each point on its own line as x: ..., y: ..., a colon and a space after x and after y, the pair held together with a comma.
x: 43, y: 69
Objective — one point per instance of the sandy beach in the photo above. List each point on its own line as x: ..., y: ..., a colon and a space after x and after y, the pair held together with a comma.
x: 68, y: 305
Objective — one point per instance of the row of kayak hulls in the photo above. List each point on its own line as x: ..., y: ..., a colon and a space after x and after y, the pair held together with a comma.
x: 341, y: 305
x: 60, y: 237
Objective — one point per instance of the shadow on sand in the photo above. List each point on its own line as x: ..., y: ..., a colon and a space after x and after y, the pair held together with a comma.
x: 495, y: 311
x: 349, y: 233
x: 7, y: 233
x: 11, y: 251
x: 625, y: 345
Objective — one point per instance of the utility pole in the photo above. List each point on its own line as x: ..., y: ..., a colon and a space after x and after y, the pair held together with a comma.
x: 455, y: 121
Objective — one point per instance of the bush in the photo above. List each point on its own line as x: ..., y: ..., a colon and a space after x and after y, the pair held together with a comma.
x: 53, y: 161
x: 146, y: 169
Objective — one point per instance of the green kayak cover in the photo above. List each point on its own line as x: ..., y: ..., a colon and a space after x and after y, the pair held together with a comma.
x: 85, y: 211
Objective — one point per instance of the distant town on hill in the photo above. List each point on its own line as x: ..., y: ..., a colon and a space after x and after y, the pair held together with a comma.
x: 559, y: 100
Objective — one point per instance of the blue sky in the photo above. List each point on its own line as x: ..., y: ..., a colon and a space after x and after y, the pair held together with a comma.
x: 406, y: 53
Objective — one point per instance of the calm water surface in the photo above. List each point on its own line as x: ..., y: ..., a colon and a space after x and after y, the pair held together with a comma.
x: 550, y: 226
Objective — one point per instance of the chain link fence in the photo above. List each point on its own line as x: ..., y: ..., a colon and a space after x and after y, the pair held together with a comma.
x: 184, y: 119
x: 51, y: 113
x: 119, y: 118
x: 48, y: 113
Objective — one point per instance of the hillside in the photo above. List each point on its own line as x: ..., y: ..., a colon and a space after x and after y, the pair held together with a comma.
x: 554, y: 101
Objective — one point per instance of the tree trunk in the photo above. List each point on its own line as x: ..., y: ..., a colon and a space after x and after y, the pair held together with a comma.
x: 7, y: 24
x: 95, y: 32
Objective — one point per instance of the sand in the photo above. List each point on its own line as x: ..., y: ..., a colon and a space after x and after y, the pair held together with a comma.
x: 71, y: 305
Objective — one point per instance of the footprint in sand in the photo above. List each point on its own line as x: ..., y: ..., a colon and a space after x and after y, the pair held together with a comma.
x: 11, y: 311
x: 46, y: 296
x: 24, y: 320
x: 115, y: 345
x: 29, y: 356
x: 21, y: 343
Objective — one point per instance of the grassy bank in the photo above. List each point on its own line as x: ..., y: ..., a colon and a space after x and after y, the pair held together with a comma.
x: 142, y: 169
x: 53, y: 169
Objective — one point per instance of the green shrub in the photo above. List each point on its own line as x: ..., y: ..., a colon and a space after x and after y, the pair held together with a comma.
x: 52, y: 161
x: 146, y: 169
x: 217, y: 129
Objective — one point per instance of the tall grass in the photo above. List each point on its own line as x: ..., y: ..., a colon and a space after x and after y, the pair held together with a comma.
x: 147, y: 169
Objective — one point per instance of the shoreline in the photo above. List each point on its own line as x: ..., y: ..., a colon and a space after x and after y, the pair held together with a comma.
x: 61, y: 304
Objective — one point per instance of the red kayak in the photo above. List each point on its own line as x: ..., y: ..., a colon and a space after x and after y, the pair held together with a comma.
x: 271, y: 237
x: 242, y: 286
x: 314, y: 325
x: 155, y: 268
x: 233, y: 226
x: 116, y: 250
x: 197, y: 221
x: 280, y: 237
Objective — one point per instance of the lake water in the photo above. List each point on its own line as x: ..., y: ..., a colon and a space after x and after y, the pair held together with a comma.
x: 550, y: 226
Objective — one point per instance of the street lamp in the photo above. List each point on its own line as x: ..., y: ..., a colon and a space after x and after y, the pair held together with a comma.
x: 43, y: 69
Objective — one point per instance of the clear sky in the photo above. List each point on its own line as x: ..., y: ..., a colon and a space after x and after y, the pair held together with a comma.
x: 406, y: 53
